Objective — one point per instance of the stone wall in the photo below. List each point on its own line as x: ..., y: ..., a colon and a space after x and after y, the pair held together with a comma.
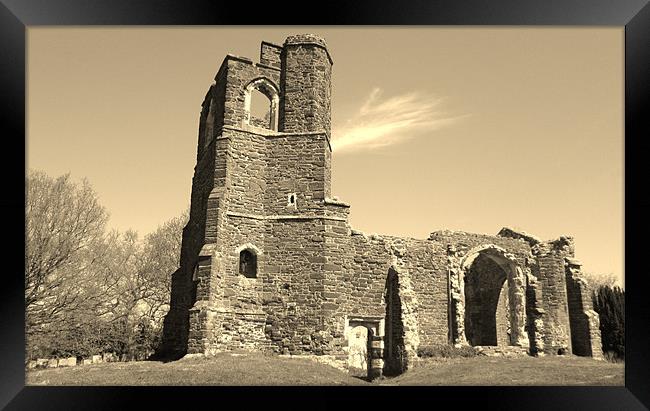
x: 584, y: 321
x: 240, y: 72
x: 270, y: 54
x: 295, y: 285
x: 548, y: 269
x: 296, y: 164
x: 426, y: 277
x: 360, y: 283
x: 247, y: 156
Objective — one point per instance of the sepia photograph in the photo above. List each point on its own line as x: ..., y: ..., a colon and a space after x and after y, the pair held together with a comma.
x: 325, y: 205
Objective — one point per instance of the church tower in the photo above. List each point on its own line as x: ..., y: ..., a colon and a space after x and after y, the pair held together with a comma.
x: 253, y: 269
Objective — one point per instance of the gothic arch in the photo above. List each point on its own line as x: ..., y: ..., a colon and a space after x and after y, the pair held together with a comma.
x: 487, y: 249
x: 271, y: 91
x: 490, y: 276
x: 249, y: 246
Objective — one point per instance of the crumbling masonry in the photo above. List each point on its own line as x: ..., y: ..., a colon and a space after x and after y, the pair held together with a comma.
x: 269, y: 261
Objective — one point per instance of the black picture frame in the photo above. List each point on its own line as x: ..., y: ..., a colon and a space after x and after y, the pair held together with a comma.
x: 17, y: 15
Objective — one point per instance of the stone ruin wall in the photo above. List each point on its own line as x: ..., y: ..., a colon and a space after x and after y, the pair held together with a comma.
x: 316, y: 274
x: 458, y: 246
x: 548, y: 268
x: 585, y: 322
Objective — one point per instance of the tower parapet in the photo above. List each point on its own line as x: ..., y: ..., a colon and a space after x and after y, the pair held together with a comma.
x: 270, y: 55
x: 306, y: 82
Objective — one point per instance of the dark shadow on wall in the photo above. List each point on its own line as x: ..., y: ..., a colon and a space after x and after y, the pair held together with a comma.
x: 395, y: 359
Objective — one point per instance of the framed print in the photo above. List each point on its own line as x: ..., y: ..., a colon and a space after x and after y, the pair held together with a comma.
x: 425, y: 197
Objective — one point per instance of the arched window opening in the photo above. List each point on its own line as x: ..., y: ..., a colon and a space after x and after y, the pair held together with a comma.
x: 248, y: 264
x: 261, y: 102
x: 260, y: 110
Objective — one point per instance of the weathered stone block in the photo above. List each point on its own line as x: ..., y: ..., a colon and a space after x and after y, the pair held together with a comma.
x: 68, y: 362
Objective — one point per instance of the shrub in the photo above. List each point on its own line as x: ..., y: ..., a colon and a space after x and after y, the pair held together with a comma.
x: 446, y: 351
x: 611, y: 356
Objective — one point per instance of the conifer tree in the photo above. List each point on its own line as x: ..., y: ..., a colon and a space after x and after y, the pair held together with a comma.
x: 609, y: 303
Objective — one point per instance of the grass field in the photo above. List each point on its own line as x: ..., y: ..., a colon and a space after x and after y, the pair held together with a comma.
x: 259, y: 369
x: 514, y: 371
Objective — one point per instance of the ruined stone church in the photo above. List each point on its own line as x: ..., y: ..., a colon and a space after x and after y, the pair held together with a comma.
x: 270, y: 262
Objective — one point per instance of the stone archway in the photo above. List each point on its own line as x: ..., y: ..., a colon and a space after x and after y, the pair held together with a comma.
x: 492, y: 289
x: 487, y: 319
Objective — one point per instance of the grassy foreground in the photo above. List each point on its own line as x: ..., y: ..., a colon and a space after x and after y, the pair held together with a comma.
x: 483, y: 370
x: 259, y: 369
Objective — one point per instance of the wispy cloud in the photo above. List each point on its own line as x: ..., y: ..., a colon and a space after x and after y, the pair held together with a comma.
x: 383, y: 121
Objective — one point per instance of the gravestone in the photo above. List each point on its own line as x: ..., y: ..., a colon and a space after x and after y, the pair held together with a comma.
x: 358, y: 353
x: 68, y: 362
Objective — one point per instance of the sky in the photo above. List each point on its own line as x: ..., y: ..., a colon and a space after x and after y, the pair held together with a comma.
x: 460, y: 128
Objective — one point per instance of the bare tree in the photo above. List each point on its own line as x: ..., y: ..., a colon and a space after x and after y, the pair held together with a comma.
x: 141, y: 273
x: 160, y: 258
x: 595, y: 281
x: 86, y: 289
x: 64, y: 221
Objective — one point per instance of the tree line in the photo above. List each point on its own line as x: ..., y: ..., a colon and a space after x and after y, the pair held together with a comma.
x: 89, y: 289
